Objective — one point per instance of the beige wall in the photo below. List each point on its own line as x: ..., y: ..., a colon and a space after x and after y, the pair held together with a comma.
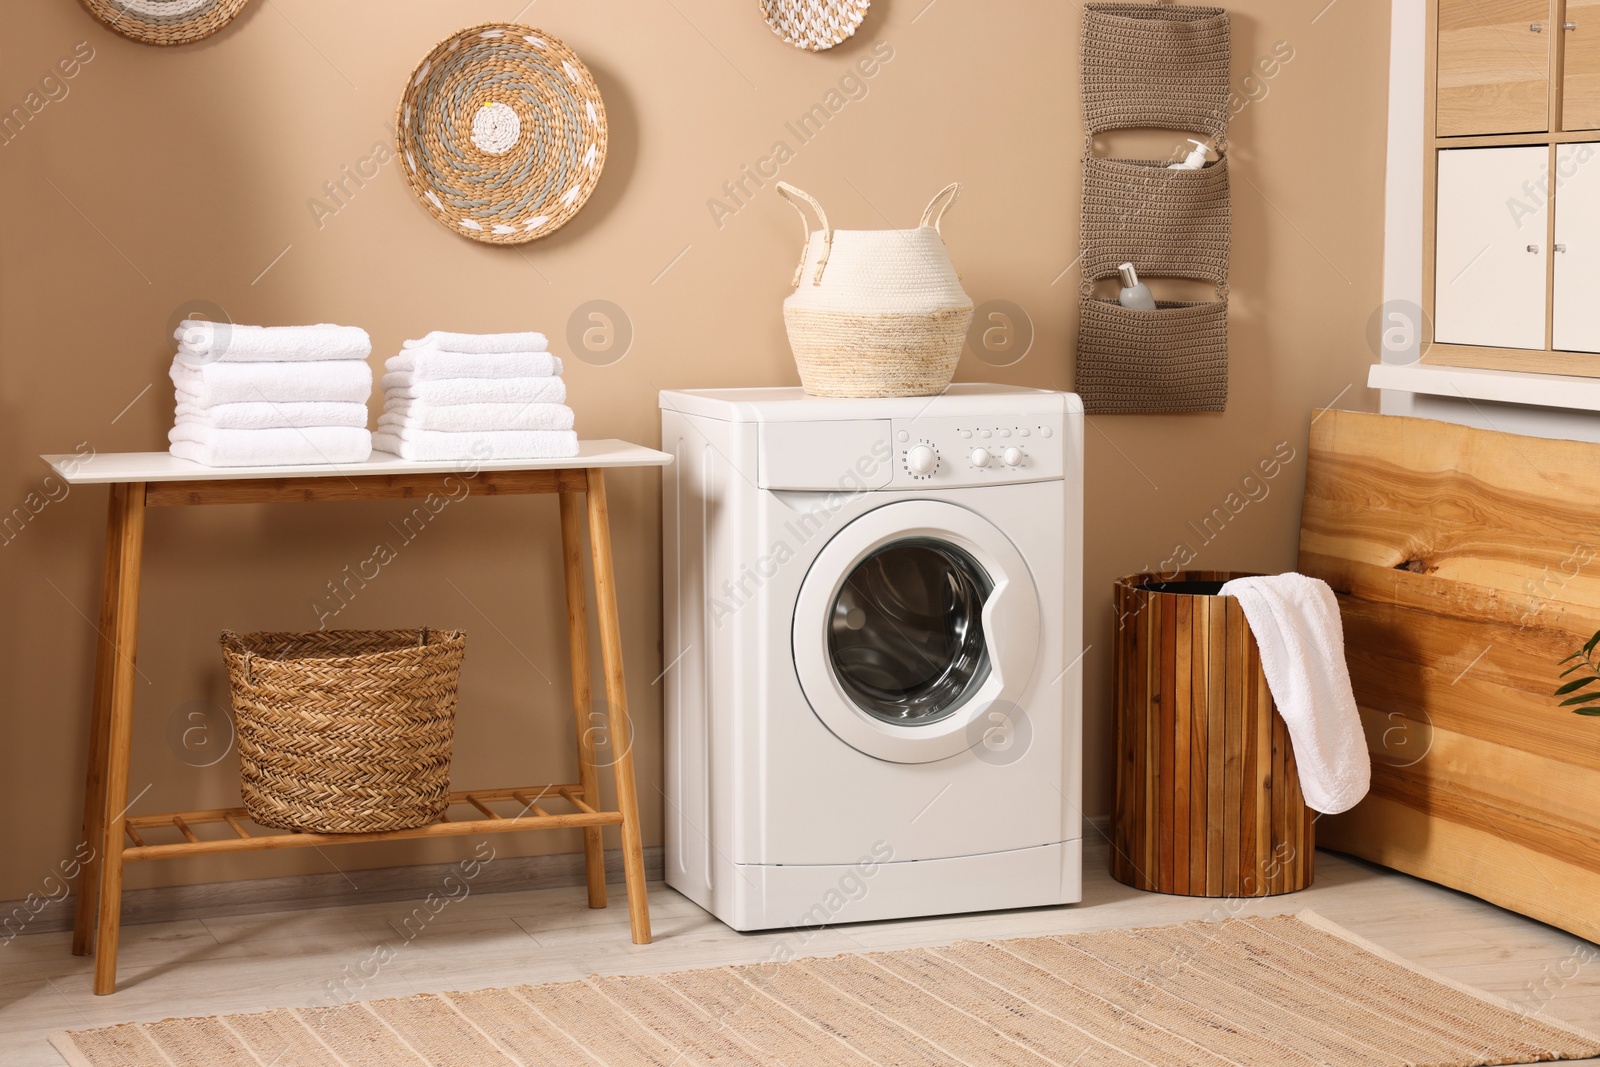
x: 168, y: 176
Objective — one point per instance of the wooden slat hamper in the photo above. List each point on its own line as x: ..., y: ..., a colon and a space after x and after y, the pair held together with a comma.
x: 1208, y: 798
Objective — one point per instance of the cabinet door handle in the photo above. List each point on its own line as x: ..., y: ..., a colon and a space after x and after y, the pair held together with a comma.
x: 1569, y: 25
x: 1561, y: 248
x: 1533, y: 248
x: 1535, y: 27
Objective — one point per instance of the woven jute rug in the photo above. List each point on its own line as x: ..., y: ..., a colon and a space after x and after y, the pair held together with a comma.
x: 1275, y: 991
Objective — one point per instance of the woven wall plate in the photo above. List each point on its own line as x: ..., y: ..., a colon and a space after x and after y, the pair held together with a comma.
x: 502, y: 133
x: 814, y: 25
x: 165, y: 21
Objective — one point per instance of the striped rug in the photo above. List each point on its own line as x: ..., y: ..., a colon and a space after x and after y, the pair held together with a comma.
x: 1292, y: 990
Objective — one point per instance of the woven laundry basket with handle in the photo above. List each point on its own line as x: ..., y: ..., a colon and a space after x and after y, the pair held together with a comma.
x: 345, y: 731
x: 876, y: 312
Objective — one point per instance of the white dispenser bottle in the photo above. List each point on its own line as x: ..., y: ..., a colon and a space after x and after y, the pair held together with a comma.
x: 1196, y: 159
x: 1135, y: 294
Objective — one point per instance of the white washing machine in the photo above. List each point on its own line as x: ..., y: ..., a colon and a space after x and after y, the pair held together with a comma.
x: 873, y: 626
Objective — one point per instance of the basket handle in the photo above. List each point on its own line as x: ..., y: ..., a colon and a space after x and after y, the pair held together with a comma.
x: 789, y: 193
x: 422, y: 637
x: 939, y: 205
x: 249, y: 660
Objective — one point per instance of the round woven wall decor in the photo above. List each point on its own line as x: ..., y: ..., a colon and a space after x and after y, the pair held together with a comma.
x: 165, y: 21
x: 814, y: 25
x: 502, y: 133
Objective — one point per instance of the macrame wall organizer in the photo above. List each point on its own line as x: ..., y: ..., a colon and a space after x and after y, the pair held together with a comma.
x: 1165, y: 67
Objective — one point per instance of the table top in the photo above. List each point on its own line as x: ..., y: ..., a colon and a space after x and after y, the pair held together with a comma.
x: 114, y: 467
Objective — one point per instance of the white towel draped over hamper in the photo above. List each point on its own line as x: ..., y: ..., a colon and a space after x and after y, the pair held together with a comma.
x: 1295, y: 621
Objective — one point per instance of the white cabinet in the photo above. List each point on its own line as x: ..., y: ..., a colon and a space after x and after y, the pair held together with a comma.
x: 1491, y: 253
x: 1577, y: 248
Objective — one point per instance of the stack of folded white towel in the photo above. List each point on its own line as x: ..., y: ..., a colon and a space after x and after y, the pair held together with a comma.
x: 269, y: 395
x: 464, y: 396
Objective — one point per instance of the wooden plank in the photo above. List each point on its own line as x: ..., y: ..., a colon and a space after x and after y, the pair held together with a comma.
x: 122, y: 646
x: 620, y: 724
x: 1498, y: 579
x: 1216, y: 752
x: 1580, y: 76
x: 274, y: 842
x: 1270, y: 810
x: 1493, y: 69
x: 1474, y: 858
x: 1249, y: 779
x: 582, y: 697
x: 1192, y: 674
x: 1166, y: 728
x: 448, y: 485
x: 94, y: 799
x: 1233, y: 750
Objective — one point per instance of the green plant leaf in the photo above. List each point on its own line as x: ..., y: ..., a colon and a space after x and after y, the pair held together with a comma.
x: 1581, y: 698
x: 1574, y: 667
x: 1569, y: 659
x: 1575, y: 685
x: 1589, y: 645
x: 1586, y: 711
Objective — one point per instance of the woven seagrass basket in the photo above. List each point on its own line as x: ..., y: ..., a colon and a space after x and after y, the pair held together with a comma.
x: 876, y: 313
x: 345, y: 731
x: 165, y: 22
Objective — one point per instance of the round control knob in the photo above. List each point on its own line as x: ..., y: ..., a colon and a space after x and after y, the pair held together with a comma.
x: 980, y: 457
x: 1012, y: 457
x: 922, y: 460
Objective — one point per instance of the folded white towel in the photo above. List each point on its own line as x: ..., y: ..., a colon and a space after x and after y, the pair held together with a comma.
x: 210, y: 342
x: 1296, y: 624
x: 333, y: 380
x: 483, y: 445
x: 482, y: 342
x: 465, y: 418
x: 264, y: 415
x: 267, y: 448
x: 430, y: 364
x: 401, y: 386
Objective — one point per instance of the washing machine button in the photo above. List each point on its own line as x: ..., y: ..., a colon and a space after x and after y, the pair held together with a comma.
x: 922, y: 460
x: 1012, y: 457
x: 980, y: 457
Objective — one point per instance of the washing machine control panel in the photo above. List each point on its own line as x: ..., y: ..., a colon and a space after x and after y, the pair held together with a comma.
x: 982, y: 450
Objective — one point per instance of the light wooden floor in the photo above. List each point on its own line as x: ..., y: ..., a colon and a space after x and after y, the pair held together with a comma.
x: 251, y: 963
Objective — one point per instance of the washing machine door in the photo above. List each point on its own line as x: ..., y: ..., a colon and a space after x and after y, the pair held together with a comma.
x: 915, y: 623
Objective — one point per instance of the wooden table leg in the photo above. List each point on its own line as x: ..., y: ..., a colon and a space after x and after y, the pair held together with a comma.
x: 605, y: 590
x: 94, y: 791
x: 594, y: 855
x: 122, y: 607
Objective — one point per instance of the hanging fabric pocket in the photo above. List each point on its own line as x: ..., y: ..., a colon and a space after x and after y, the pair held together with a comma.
x: 1156, y: 65
x: 1169, y: 360
x: 1168, y: 223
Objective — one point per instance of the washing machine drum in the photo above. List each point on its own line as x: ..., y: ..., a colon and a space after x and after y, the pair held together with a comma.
x: 915, y: 627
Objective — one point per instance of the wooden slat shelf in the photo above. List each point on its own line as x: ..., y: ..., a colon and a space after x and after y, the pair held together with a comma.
x: 481, y: 799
